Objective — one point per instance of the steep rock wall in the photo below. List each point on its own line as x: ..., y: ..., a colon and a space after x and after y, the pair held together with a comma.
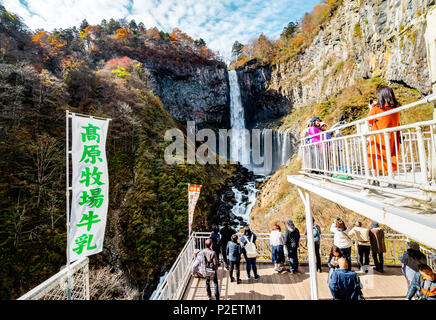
x: 363, y: 39
x: 199, y: 92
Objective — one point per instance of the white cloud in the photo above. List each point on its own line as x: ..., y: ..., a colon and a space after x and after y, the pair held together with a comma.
x: 219, y: 23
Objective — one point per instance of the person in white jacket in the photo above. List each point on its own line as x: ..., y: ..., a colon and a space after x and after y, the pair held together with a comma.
x: 277, y: 242
x: 342, y: 240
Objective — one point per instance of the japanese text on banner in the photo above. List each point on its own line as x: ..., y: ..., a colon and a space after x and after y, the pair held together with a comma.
x: 90, y: 182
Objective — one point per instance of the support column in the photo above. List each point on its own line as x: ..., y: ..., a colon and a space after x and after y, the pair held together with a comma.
x: 305, y: 197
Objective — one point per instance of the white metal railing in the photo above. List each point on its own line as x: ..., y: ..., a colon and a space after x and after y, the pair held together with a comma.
x: 367, y: 154
x: 55, y: 287
x: 174, y: 285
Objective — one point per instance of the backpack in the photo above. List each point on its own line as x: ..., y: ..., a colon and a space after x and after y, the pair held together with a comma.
x: 316, y: 235
x: 209, y: 267
x: 250, y: 248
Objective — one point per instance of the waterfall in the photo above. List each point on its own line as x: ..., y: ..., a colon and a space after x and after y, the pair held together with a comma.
x: 279, y: 151
x: 286, y: 146
x: 240, y: 140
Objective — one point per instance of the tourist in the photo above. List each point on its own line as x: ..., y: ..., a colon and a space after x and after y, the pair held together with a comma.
x: 209, y: 268
x: 248, y: 241
x: 196, y: 268
x: 234, y: 252
x: 342, y: 240
x: 411, y: 259
x: 305, y: 131
x: 292, y: 240
x: 325, y: 152
x: 378, y: 247
x: 423, y: 284
x: 226, y: 234
x: 345, y: 284
x: 317, y: 241
x: 315, y: 155
x: 335, y: 254
x: 276, y: 241
x: 363, y: 244
x: 323, y: 126
x: 377, y: 157
x: 341, y: 122
x: 314, y: 129
x: 216, y: 238
x: 340, y: 145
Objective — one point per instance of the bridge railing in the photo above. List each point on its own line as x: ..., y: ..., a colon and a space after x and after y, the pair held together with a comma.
x: 55, y: 287
x: 367, y: 154
x: 174, y: 285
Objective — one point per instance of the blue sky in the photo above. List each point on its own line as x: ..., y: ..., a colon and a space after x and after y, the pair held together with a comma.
x: 218, y: 22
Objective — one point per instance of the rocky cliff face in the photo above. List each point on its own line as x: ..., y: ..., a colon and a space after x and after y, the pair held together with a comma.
x: 199, y: 92
x: 260, y: 102
x: 363, y: 39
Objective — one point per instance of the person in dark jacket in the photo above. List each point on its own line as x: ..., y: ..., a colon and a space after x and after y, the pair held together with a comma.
x: 317, y: 240
x: 423, y: 284
x: 344, y: 284
x: 410, y: 260
x: 378, y: 247
x: 292, y: 239
x: 234, y: 252
x: 216, y: 238
x: 226, y: 234
x: 247, y: 237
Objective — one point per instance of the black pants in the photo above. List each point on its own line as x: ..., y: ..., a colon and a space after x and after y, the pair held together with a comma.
x: 346, y: 252
x: 224, y: 253
x: 378, y: 260
x: 318, y: 256
x: 215, y: 282
x: 235, y: 265
x: 363, y: 254
x: 293, y: 259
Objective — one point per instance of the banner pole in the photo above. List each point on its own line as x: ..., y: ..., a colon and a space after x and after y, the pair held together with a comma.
x: 67, y: 194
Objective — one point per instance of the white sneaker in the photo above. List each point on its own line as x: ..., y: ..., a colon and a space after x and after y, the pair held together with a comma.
x: 276, y: 269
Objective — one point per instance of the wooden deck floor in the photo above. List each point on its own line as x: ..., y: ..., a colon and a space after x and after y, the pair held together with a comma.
x: 389, y: 285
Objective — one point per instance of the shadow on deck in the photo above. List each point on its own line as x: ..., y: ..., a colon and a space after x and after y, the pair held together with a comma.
x: 389, y: 285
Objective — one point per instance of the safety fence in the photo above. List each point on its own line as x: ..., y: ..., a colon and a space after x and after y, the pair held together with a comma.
x: 55, y: 288
x: 403, y: 155
x: 173, y: 286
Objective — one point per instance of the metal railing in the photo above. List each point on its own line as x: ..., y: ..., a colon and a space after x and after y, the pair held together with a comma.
x: 403, y: 155
x: 55, y: 287
x: 174, y: 285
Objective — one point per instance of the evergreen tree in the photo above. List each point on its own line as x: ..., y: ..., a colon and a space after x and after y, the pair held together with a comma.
x: 84, y: 24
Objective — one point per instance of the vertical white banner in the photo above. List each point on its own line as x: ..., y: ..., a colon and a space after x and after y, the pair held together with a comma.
x: 193, y: 194
x: 90, y: 184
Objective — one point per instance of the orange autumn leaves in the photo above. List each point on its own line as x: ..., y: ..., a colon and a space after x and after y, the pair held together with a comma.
x: 45, y: 38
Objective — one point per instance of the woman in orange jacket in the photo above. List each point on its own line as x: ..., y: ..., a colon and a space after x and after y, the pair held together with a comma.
x: 377, y: 157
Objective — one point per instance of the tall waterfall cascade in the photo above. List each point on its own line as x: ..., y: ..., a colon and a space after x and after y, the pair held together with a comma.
x: 275, y: 148
x: 240, y: 142
x: 280, y: 148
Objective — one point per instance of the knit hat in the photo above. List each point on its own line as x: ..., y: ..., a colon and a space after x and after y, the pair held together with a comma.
x: 323, y: 124
x: 315, y: 118
x: 291, y: 224
x: 374, y: 225
x: 413, y: 245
